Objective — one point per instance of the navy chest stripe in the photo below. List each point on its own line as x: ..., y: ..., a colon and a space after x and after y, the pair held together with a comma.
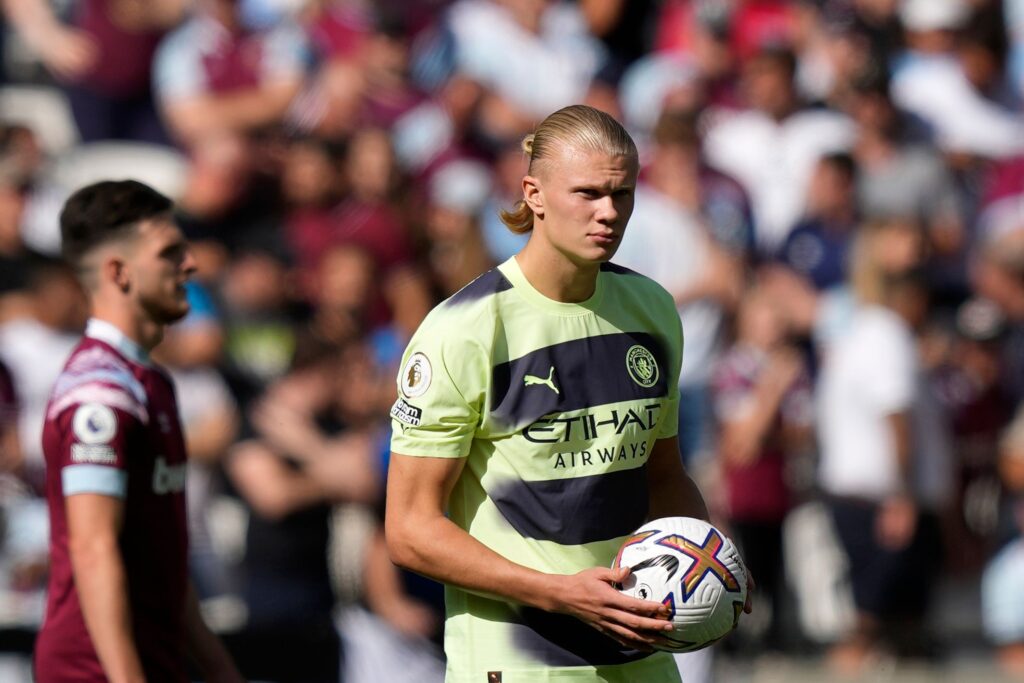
x: 487, y: 284
x: 576, y: 510
x: 562, y: 640
x: 582, y: 373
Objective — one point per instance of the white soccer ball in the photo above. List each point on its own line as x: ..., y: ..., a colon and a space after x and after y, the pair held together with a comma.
x: 694, y: 569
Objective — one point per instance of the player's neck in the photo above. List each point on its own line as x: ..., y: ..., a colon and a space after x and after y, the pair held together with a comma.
x: 555, y: 276
x: 144, y: 332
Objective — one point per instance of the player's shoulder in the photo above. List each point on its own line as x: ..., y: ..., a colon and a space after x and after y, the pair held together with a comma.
x: 95, y: 373
x: 636, y: 285
x: 471, y: 309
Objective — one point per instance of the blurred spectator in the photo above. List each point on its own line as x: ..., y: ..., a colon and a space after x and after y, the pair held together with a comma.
x: 941, y: 85
x: 10, y: 448
x: 818, y: 246
x: 103, y: 57
x: 314, y: 448
x: 901, y: 176
x: 885, y: 461
x: 771, y: 148
x: 365, y: 79
x: 260, y: 323
x: 720, y: 201
x: 458, y: 253
x: 210, y: 424
x: 35, y: 345
x: 509, y: 168
x: 227, y: 206
x: 969, y: 382
x: 1003, y: 582
x: 764, y: 411
x: 530, y: 57
x: 216, y: 75
x: 703, y: 277
x: 19, y: 158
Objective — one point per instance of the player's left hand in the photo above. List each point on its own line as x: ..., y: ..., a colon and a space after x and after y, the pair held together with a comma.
x: 748, y: 606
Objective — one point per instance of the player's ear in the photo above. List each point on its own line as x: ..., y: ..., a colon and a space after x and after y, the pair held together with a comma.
x: 113, y: 268
x: 533, y: 195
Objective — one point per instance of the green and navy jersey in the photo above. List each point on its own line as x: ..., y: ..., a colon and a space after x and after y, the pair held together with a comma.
x: 555, y: 407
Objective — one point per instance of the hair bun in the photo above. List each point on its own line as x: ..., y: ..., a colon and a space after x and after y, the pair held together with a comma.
x: 528, y: 145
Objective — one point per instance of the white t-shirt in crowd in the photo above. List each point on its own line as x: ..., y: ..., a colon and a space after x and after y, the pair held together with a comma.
x: 774, y: 161
x: 35, y: 355
x: 665, y: 242
x: 868, y: 374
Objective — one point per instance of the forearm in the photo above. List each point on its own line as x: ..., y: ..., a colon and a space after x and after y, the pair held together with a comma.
x: 102, y: 589
x: 437, y: 548
x: 677, y: 496
x: 33, y: 19
x: 672, y: 493
x: 240, y: 111
x: 203, y: 647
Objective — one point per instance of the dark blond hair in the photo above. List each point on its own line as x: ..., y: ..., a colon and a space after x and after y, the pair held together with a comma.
x: 577, y: 126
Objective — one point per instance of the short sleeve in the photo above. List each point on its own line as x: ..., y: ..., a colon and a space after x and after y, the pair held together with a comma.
x: 888, y: 359
x: 286, y: 54
x: 177, y: 69
x: 674, y: 327
x: 91, y: 448
x: 441, y: 389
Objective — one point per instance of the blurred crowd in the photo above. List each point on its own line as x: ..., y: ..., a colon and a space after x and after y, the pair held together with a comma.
x: 832, y: 190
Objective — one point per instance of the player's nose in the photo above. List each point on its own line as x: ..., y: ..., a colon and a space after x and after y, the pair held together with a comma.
x: 606, y: 210
x: 188, y: 263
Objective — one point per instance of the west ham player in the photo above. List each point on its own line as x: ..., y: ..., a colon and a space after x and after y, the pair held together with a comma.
x: 120, y: 607
x: 537, y: 427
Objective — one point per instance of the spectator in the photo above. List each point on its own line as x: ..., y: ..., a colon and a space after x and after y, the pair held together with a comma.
x: 818, y: 246
x: 772, y: 147
x: 1002, y: 584
x: 763, y: 408
x: 34, y: 347
x: 901, y: 176
x: 312, y: 450
x: 931, y: 81
x: 215, y: 75
x: 103, y: 58
x: 702, y: 275
x: 883, y: 464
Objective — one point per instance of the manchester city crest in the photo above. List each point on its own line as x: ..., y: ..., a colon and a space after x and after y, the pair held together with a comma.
x: 642, y: 366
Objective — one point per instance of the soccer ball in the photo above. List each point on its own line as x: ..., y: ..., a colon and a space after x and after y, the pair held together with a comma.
x: 696, y: 571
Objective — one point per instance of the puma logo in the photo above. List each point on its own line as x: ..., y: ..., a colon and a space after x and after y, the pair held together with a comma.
x: 549, y: 383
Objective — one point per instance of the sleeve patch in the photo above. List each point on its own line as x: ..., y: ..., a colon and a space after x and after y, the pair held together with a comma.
x: 416, y: 375
x: 99, y: 479
x: 406, y: 412
x: 100, y: 454
x: 94, y: 424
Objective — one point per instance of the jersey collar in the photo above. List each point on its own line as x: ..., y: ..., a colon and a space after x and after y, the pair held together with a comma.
x: 109, y: 334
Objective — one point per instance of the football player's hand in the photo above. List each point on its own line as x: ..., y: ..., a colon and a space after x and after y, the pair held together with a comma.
x: 751, y: 587
x: 590, y: 596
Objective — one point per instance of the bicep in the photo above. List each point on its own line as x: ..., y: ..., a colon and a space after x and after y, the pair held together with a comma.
x: 92, y: 518
x: 666, y: 460
x: 420, y: 486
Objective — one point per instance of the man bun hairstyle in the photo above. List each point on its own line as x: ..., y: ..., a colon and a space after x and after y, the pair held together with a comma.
x: 578, y: 126
x: 106, y: 211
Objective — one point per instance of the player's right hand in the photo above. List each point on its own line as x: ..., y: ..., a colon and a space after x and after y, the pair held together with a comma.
x: 590, y: 596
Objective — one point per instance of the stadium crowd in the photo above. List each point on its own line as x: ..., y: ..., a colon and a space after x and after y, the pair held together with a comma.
x: 831, y: 190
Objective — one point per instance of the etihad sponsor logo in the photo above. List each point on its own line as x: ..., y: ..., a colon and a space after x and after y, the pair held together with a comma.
x: 97, y: 454
x: 406, y: 412
x: 168, y: 478
x: 592, y: 425
x: 607, y: 455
